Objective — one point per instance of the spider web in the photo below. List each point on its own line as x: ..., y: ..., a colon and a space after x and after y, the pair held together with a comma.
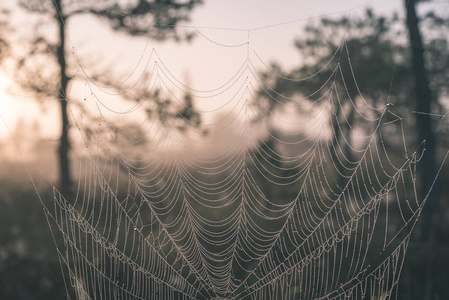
x: 165, y: 212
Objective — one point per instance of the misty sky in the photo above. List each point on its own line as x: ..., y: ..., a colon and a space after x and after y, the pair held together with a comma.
x: 206, y: 62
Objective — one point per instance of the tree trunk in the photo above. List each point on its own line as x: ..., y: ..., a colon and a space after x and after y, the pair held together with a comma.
x: 65, y: 178
x: 422, y: 267
x: 423, y: 102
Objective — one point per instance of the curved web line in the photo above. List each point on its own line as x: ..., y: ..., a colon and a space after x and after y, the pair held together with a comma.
x: 298, y: 199
x: 142, y: 193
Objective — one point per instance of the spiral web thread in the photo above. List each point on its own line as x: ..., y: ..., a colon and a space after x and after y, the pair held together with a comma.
x: 166, y: 214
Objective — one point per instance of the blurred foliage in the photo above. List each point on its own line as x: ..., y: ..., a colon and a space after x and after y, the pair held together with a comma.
x: 372, y: 57
x: 29, y: 265
x: 43, y: 59
x: 45, y: 68
x: 4, y: 27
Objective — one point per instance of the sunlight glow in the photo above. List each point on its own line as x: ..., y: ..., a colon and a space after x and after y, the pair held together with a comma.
x: 8, y: 109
